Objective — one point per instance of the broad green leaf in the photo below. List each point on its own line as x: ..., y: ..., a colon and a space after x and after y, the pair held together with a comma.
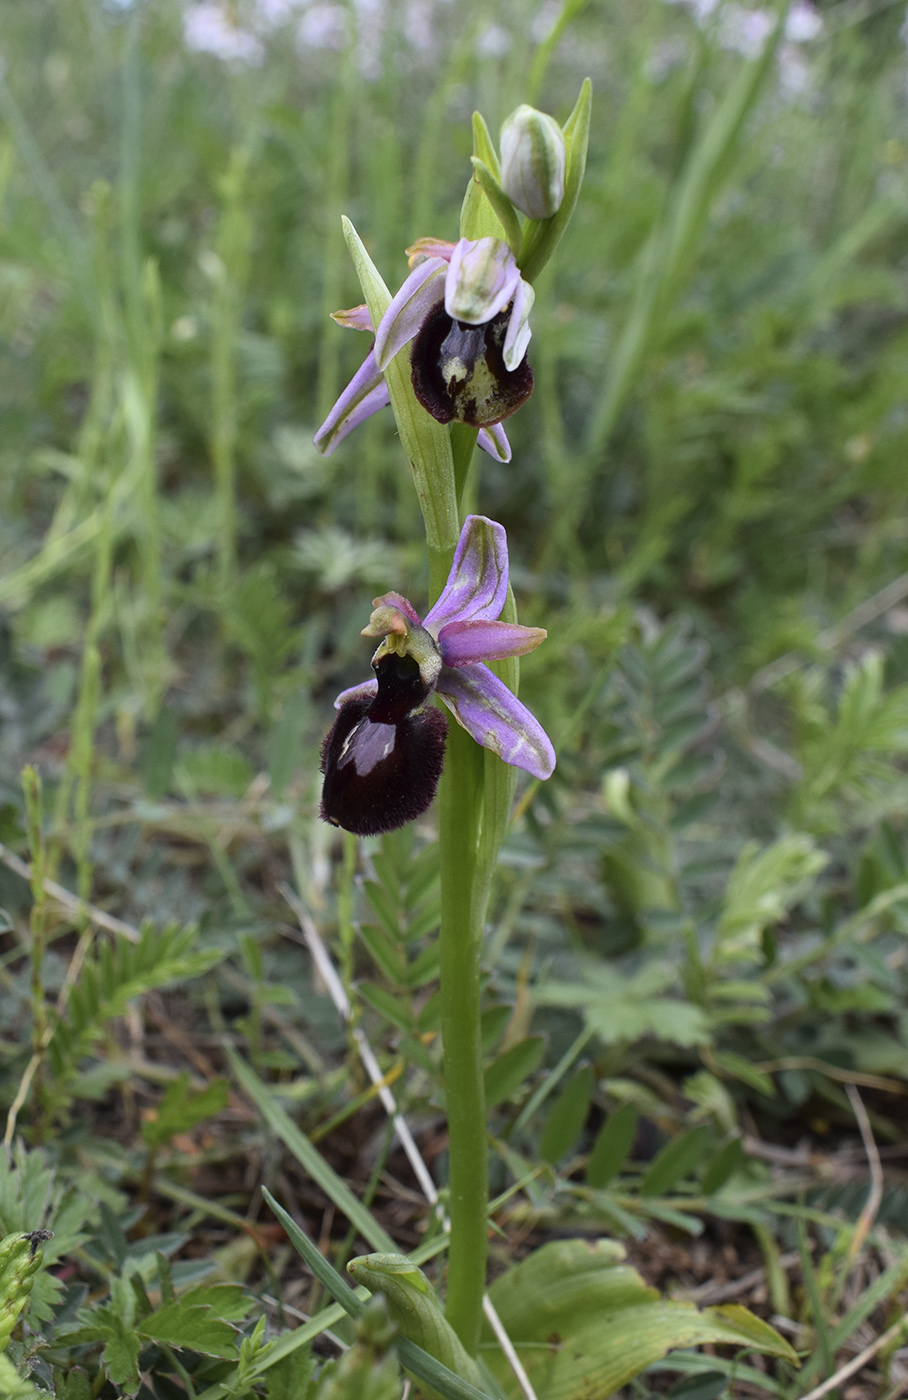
x: 612, y: 1146
x: 229, y: 1301
x: 584, y: 1323
x: 607, y: 1352
x: 562, y: 1282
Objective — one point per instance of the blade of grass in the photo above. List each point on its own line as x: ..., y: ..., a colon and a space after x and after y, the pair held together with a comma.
x: 823, y: 1356
x: 309, y: 1157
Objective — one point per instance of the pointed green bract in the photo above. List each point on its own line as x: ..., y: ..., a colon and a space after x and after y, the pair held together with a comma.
x: 499, y: 201
x: 426, y: 443
x: 541, y: 237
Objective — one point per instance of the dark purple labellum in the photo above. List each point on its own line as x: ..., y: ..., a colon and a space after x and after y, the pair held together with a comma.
x: 459, y: 374
x: 383, y: 756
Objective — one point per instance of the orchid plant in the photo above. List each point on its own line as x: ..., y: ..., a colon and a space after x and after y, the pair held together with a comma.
x: 450, y: 357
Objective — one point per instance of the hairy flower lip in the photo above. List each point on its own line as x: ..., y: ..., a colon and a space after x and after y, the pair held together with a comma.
x: 463, y: 630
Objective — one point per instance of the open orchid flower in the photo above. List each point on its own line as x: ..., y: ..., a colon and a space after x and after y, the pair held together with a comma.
x: 383, y: 756
x: 466, y: 310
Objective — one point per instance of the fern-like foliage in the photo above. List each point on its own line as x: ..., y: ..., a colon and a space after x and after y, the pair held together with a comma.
x: 119, y: 972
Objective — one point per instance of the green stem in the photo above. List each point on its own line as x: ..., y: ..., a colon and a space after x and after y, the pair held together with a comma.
x: 460, y: 802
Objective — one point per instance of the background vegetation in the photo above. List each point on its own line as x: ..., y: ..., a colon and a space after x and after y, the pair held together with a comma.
x: 697, y: 1016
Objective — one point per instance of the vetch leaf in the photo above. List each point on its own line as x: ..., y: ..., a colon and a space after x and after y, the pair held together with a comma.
x: 506, y: 1074
x: 612, y: 1146
x: 567, y: 1116
x: 675, y: 1161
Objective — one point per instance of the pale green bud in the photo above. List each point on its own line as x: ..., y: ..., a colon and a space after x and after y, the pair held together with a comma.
x: 533, y: 162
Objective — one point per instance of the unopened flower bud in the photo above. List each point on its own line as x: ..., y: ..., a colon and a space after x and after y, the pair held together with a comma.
x: 532, y: 162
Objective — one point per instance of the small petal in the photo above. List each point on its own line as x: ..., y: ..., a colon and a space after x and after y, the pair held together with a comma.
x: 486, y: 709
x: 364, y: 691
x: 481, y: 279
x: 478, y: 582
x: 397, y: 600
x: 429, y: 248
x: 366, y: 393
x: 462, y: 642
x: 494, y: 440
x: 518, y: 333
x: 422, y: 290
x: 358, y: 318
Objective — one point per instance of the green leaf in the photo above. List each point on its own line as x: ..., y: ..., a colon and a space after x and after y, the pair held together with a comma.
x: 181, y: 1109
x: 602, y: 1354
x: 506, y: 1073
x: 619, y: 1008
x: 160, y: 752
x: 121, y: 1354
x: 384, y: 910
x: 762, y: 887
x: 184, y: 1324
x: 384, y: 954
x: 567, y: 1116
x: 392, y: 1007
x: 675, y: 1161
x: 742, y: 1069
x: 725, y: 1163
x: 483, y: 145
x: 612, y: 1146
x: 121, y: 970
